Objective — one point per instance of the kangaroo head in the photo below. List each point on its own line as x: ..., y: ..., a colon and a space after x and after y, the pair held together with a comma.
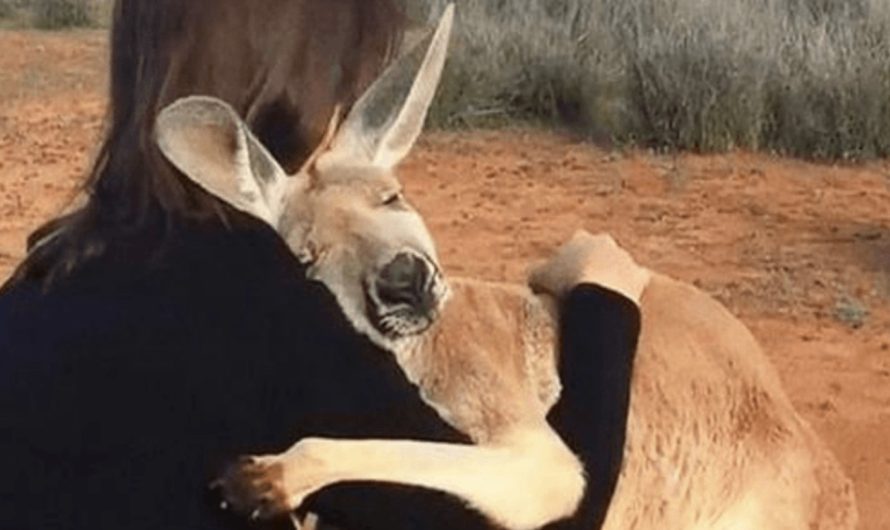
x: 343, y: 214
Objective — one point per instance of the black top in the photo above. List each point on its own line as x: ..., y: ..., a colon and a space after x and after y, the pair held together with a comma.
x: 128, y: 385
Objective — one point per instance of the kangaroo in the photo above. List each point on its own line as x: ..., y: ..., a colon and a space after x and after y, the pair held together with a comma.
x: 713, y: 441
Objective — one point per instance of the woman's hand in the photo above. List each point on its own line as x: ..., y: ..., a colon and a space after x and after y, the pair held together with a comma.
x: 588, y: 258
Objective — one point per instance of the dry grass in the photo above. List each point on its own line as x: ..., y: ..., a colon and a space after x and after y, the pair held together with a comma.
x: 803, y: 77
x: 54, y: 14
x: 808, y: 78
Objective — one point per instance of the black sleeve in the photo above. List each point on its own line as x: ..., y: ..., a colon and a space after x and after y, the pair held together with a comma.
x: 378, y: 402
x: 368, y: 506
x: 598, y: 333
x: 121, y: 400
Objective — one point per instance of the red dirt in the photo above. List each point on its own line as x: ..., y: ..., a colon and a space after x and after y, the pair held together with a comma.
x: 800, y: 251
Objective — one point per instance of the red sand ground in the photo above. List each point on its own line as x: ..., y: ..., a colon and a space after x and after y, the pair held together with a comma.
x: 800, y: 251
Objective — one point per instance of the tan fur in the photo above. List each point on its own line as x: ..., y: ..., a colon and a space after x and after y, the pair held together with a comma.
x: 713, y: 440
x: 488, y: 361
x: 487, y: 366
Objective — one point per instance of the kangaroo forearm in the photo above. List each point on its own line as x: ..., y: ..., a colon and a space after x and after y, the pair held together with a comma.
x: 485, y: 477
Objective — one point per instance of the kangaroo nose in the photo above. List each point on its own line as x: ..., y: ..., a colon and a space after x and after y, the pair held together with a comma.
x: 406, y: 280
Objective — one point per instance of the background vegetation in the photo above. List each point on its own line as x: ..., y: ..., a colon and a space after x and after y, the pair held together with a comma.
x: 803, y: 77
x: 51, y: 14
x: 54, y: 14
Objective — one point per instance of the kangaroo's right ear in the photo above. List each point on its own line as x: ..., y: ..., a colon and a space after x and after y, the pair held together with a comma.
x: 208, y: 142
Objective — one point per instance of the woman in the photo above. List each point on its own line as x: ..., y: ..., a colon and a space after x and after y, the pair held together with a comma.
x: 154, y: 334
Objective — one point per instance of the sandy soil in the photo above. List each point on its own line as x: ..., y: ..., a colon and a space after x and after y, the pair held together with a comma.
x: 800, y: 251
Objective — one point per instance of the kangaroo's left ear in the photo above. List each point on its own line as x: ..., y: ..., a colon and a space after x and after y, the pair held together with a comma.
x: 385, y: 122
x: 208, y: 142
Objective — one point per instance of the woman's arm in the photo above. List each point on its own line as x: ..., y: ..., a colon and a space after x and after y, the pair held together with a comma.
x: 598, y: 332
x: 599, y: 286
x: 123, y: 397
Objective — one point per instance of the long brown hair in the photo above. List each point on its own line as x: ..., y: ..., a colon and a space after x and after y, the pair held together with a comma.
x: 282, y: 64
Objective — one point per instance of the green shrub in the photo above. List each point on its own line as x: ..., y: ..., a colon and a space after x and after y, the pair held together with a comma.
x: 57, y: 14
x: 804, y: 77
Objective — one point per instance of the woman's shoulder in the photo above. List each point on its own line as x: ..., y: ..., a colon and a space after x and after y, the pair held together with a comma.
x: 202, y: 280
x: 208, y: 318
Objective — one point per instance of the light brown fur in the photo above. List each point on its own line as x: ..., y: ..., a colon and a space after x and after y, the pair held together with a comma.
x: 488, y: 373
x: 713, y: 440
